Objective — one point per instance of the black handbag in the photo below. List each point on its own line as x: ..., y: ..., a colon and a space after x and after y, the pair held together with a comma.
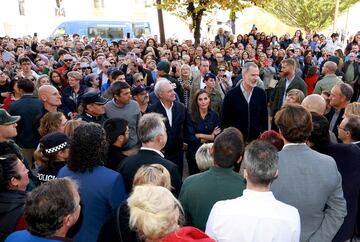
x: 118, y: 223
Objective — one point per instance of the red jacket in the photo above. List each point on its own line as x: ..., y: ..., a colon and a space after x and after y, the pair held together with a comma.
x: 310, y: 82
x: 187, y: 234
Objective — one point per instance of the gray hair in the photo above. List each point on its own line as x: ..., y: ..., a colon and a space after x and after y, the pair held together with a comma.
x: 150, y: 126
x: 346, y: 90
x: 159, y: 84
x: 261, y: 161
x: 204, y: 160
x: 247, y: 66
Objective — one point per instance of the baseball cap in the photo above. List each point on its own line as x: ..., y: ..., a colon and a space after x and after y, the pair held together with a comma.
x: 139, y: 89
x: 84, y: 65
x: 163, y: 66
x: 208, y: 76
x: 6, y: 118
x: 93, y: 97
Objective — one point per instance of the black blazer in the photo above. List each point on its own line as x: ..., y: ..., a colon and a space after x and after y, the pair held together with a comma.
x: 29, y: 108
x: 329, y: 116
x: 130, y: 165
x: 347, y: 158
x: 175, y: 132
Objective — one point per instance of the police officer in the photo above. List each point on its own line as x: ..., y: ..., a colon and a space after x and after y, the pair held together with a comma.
x: 93, y: 108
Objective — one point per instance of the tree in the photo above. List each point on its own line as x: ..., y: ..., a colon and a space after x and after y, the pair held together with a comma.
x: 310, y: 15
x: 196, y: 9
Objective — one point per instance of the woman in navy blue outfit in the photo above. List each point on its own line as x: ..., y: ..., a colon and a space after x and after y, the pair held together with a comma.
x: 101, y: 190
x: 202, y: 126
x: 70, y: 98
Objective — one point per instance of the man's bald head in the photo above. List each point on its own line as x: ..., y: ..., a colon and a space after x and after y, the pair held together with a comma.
x: 314, y: 103
x: 331, y: 67
x: 49, y: 96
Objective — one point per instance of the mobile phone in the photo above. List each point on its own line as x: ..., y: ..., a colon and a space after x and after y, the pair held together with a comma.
x: 35, y: 34
x: 173, y: 69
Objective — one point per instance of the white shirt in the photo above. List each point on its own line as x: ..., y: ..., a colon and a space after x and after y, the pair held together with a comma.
x: 253, y: 217
x: 287, y: 84
x: 248, y: 98
x: 202, y: 83
x: 168, y: 112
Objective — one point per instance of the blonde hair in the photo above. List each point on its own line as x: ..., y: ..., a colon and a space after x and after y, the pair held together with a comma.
x: 154, y: 212
x: 185, y: 66
x: 298, y: 94
x: 50, y: 122
x: 203, y: 158
x: 152, y: 174
x: 352, y: 109
x: 71, y: 125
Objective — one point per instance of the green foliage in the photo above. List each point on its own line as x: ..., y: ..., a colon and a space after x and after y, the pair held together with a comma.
x: 310, y: 15
x: 194, y: 10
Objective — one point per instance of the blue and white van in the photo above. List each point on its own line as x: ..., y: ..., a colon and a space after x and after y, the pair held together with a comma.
x: 107, y: 29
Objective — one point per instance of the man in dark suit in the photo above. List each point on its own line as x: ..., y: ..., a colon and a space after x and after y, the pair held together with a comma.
x: 28, y: 107
x: 175, y: 113
x: 308, y: 180
x: 340, y: 97
x: 349, y: 130
x: 221, y: 39
x: 347, y: 158
x: 152, y: 134
x: 245, y: 107
x: 288, y: 82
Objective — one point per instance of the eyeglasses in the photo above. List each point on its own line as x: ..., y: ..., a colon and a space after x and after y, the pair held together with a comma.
x: 68, y: 60
x: 341, y: 128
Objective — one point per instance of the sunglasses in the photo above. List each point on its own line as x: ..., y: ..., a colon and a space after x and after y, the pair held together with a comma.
x: 106, y: 66
x: 222, y: 70
x: 84, y: 68
x: 68, y: 60
x: 112, y: 63
x: 139, y: 80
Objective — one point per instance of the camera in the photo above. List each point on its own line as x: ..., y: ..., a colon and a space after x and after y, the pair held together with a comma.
x: 173, y: 69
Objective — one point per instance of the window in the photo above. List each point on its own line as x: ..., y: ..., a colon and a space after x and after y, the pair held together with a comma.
x: 99, y: 4
x: 141, y: 30
x: 106, y: 32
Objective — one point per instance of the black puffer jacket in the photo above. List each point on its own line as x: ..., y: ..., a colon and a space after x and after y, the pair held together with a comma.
x: 11, y: 209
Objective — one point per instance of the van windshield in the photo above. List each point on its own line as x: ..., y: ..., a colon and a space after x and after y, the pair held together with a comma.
x: 106, y: 32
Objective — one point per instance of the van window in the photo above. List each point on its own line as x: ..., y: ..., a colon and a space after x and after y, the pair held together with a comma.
x: 140, y: 31
x: 106, y: 32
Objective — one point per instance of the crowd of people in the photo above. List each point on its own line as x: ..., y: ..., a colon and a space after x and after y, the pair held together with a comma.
x: 247, y: 138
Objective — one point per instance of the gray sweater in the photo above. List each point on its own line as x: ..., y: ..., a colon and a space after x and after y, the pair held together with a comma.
x: 131, y: 113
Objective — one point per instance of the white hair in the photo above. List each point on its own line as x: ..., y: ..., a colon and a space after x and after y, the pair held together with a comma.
x: 203, y: 158
x: 159, y: 85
